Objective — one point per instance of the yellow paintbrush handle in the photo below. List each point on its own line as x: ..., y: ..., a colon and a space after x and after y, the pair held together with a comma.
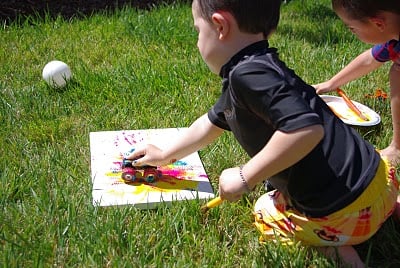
x: 215, y: 202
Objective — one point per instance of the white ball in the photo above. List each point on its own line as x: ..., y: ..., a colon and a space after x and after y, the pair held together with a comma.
x: 56, y: 73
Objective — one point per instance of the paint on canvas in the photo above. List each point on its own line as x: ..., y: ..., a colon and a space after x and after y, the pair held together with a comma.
x: 183, y: 180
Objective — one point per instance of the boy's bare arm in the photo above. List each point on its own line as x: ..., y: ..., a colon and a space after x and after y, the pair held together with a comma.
x: 201, y: 133
x: 360, y: 66
x: 282, y: 151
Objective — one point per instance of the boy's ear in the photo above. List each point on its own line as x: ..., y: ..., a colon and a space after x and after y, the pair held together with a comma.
x: 378, y: 22
x: 222, y: 24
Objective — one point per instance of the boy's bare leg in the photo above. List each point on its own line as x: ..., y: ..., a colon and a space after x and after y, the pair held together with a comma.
x: 392, y: 152
x: 344, y: 254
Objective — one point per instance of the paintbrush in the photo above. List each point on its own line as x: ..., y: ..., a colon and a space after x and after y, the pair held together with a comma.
x: 351, y: 105
x: 210, y: 204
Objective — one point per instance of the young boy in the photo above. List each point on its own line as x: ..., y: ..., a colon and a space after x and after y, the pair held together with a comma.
x: 373, y: 22
x: 324, y: 172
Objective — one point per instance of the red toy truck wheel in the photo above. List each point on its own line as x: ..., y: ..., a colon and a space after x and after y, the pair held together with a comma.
x: 150, y: 175
x: 128, y: 174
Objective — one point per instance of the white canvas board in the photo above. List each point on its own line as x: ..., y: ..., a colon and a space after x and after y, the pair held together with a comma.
x: 185, y: 179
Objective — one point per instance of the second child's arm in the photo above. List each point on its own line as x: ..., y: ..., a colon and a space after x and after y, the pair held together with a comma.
x: 282, y: 151
x: 201, y: 133
x: 360, y: 66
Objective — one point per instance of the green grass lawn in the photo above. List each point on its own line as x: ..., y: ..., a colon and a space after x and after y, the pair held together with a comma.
x: 137, y: 70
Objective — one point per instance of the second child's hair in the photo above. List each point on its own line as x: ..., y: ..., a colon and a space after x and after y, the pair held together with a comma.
x: 364, y: 9
x: 252, y: 16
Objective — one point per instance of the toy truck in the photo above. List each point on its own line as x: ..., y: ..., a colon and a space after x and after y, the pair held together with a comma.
x: 131, y: 173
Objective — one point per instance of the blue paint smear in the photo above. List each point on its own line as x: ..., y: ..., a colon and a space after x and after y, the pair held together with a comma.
x: 180, y: 163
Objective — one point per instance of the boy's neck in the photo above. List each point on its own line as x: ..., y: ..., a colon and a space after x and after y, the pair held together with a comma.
x: 242, y: 40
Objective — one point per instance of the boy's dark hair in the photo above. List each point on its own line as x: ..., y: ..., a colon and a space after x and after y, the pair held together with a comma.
x: 364, y: 9
x: 252, y: 16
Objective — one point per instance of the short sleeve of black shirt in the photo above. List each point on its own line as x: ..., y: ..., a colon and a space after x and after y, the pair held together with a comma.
x: 265, y: 93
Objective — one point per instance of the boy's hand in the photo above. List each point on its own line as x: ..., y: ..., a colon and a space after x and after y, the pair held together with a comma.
x: 231, y: 186
x: 147, y: 155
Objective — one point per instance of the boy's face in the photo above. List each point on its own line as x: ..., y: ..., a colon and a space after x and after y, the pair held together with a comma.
x: 367, y: 31
x: 208, y: 40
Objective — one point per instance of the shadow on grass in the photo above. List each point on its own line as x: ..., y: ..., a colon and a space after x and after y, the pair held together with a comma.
x: 382, y: 249
x: 322, y: 25
x: 18, y: 11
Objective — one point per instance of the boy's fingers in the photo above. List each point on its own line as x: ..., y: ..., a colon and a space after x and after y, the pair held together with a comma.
x: 140, y: 160
x: 136, y: 162
x: 135, y: 153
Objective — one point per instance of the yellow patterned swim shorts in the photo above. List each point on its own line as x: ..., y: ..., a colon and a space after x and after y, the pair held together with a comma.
x: 351, y: 225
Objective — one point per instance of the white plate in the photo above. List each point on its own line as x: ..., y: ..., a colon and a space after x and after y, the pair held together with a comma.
x: 340, y: 108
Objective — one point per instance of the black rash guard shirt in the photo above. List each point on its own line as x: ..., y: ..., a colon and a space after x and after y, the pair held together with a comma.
x: 260, y: 95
